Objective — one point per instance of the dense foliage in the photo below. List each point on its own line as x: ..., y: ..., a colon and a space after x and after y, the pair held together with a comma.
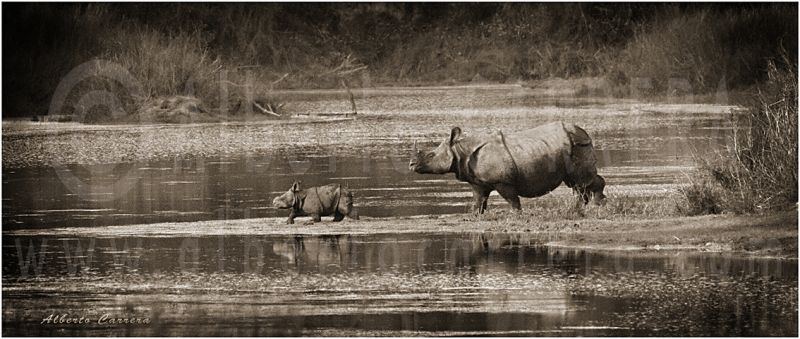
x: 758, y: 171
x: 175, y: 49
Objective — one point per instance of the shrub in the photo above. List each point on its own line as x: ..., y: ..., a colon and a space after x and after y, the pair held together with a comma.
x: 759, y: 172
x: 709, y: 48
x: 172, y: 47
x: 700, y: 198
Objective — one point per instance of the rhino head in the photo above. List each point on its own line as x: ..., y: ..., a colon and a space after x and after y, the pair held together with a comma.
x: 436, y: 161
x: 288, y: 199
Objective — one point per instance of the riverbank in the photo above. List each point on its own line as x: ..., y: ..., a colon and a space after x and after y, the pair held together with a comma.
x: 760, y: 236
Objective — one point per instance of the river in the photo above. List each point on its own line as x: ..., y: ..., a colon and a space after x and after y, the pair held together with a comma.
x: 443, y: 283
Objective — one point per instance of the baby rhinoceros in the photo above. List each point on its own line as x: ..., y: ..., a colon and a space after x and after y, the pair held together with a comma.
x: 317, y: 202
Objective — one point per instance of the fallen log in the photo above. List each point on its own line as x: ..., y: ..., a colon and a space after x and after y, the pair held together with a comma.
x: 264, y: 110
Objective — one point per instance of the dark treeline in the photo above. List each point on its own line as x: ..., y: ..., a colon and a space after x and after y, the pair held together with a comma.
x: 175, y: 48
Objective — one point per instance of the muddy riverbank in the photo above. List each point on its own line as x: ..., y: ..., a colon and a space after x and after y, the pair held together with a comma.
x: 761, y: 236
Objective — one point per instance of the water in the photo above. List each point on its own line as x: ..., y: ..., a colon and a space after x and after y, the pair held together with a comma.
x: 411, y: 284
x: 451, y: 283
x: 123, y: 175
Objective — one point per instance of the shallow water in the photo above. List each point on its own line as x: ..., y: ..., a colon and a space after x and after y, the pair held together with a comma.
x: 123, y: 175
x: 381, y: 284
x: 411, y: 284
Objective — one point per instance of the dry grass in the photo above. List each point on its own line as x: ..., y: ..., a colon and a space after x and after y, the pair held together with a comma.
x: 701, y: 197
x: 705, y: 51
x: 568, y: 208
x: 759, y: 171
x: 190, y: 71
x: 180, y: 49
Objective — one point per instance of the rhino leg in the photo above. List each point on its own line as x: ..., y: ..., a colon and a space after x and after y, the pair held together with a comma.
x: 345, y: 211
x: 481, y: 196
x: 353, y: 214
x: 316, y: 218
x: 509, y: 193
x: 291, y: 218
x: 345, y: 208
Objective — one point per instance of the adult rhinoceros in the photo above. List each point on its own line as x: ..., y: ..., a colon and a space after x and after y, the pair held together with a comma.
x: 527, y: 163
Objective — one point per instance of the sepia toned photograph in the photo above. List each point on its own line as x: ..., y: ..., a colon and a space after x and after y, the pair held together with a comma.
x: 371, y: 169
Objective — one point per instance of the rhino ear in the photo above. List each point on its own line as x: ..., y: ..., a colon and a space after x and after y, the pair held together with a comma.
x: 455, y: 134
x: 296, y: 186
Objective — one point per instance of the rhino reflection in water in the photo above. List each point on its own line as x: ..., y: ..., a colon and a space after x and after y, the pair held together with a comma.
x: 321, y: 251
x: 527, y: 163
x: 317, y: 202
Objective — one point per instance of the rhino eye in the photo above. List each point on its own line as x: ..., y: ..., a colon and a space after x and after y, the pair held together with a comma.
x: 430, y: 155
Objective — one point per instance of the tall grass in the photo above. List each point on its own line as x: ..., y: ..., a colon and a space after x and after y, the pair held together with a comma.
x: 710, y: 49
x: 167, y: 50
x: 763, y: 170
x: 759, y: 171
x: 700, y: 197
x: 564, y: 208
x: 173, y: 49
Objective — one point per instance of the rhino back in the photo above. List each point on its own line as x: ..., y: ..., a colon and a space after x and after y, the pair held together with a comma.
x: 484, y: 161
x: 539, y: 154
x: 321, y: 200
x: 534, y: 161
x: 527, y: 158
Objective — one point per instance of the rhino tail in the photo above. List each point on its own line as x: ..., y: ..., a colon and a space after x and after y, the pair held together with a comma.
x: 348, y: 198
x: 349, y: 210
x: 344, y: 199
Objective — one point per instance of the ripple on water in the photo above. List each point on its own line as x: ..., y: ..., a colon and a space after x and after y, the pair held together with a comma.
x: 486, y: 280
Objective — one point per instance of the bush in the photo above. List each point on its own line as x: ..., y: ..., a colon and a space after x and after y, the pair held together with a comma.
x: 175, y: 49
x: 700, y: 198
x: 709, y: 49
x: 759, y: 172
